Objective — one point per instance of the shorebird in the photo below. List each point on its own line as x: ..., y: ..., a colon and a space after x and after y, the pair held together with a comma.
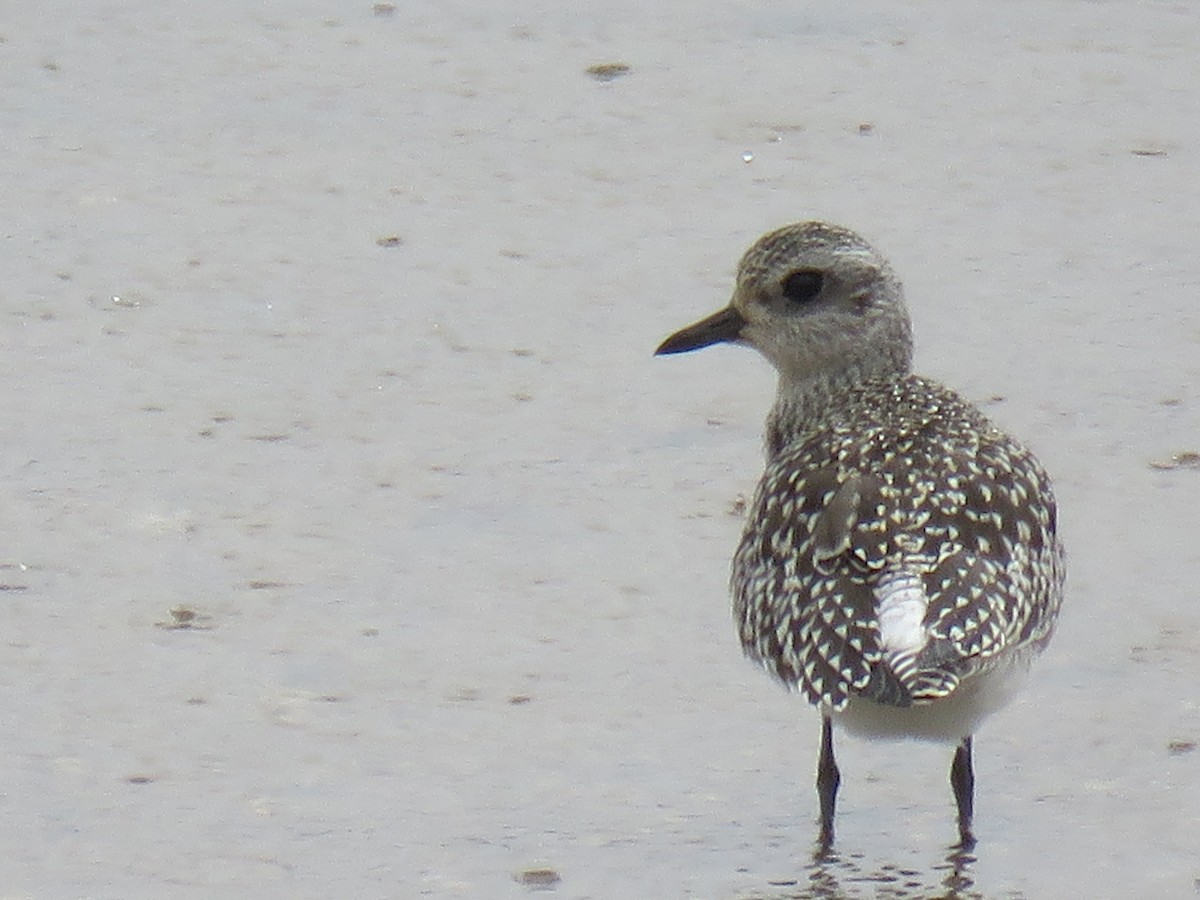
x: 900, y: 563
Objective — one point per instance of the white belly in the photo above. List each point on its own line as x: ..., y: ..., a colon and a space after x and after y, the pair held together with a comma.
x: 947, y: 720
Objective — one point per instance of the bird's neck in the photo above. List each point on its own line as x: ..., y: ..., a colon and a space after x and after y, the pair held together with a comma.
x: 806, y: 405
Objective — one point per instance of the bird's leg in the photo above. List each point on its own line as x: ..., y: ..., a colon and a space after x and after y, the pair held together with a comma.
x: 962, y: 779
x: 828, y: 779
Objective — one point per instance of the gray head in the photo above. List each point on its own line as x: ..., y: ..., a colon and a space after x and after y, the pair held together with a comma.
x: 817, y: 301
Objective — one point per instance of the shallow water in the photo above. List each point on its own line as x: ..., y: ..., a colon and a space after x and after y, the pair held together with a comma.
x: 356, y: 546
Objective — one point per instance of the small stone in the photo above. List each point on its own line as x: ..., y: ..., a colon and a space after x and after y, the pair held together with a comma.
x: 540, y: 879
x: 609, y: 71
x: 1185, y: 459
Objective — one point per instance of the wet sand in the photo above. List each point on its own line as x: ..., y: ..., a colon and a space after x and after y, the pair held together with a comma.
x: 355, y: 544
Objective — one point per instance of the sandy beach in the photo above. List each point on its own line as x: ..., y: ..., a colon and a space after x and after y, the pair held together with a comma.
x: 355, y: 545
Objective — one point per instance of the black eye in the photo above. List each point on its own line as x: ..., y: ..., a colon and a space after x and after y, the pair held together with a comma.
x: 803, y: 285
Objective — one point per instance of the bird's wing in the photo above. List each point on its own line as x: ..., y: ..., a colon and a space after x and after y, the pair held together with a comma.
x: 996, y: 583
x: 801, y: 582
x: 863, y: 582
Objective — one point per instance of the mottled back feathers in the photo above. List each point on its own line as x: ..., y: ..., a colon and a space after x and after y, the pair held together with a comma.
x: 905, y: 481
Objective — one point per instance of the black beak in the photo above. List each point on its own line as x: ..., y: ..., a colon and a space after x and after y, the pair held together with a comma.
x: 725, y: 325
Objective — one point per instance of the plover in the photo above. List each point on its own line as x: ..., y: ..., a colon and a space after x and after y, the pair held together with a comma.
x: 900, y: 563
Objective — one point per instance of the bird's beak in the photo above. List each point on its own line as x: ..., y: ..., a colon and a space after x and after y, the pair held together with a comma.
x: 725, y: 325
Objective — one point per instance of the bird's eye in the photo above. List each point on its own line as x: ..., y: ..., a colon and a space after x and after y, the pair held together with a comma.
x: 803, y: 285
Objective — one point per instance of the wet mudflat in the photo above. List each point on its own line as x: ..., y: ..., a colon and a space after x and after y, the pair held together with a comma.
x: 354, y: 543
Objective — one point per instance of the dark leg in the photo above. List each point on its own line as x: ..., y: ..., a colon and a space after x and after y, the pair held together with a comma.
x: 828, y: 779
x: 962, y: 779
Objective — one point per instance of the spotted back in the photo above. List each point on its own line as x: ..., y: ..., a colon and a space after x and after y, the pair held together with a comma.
x: 904, y: 483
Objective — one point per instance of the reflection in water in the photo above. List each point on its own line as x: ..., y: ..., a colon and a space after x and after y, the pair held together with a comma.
x: 832, y: 876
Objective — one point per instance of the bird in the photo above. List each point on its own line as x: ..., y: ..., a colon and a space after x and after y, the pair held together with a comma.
x: 900, y: 565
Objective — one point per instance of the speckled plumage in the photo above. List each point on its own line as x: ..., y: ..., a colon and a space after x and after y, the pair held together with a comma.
x: 901, y: 551
x: 899, y: 478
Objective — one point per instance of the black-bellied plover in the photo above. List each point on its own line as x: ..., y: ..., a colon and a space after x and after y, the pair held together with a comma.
x: 900, y: 563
